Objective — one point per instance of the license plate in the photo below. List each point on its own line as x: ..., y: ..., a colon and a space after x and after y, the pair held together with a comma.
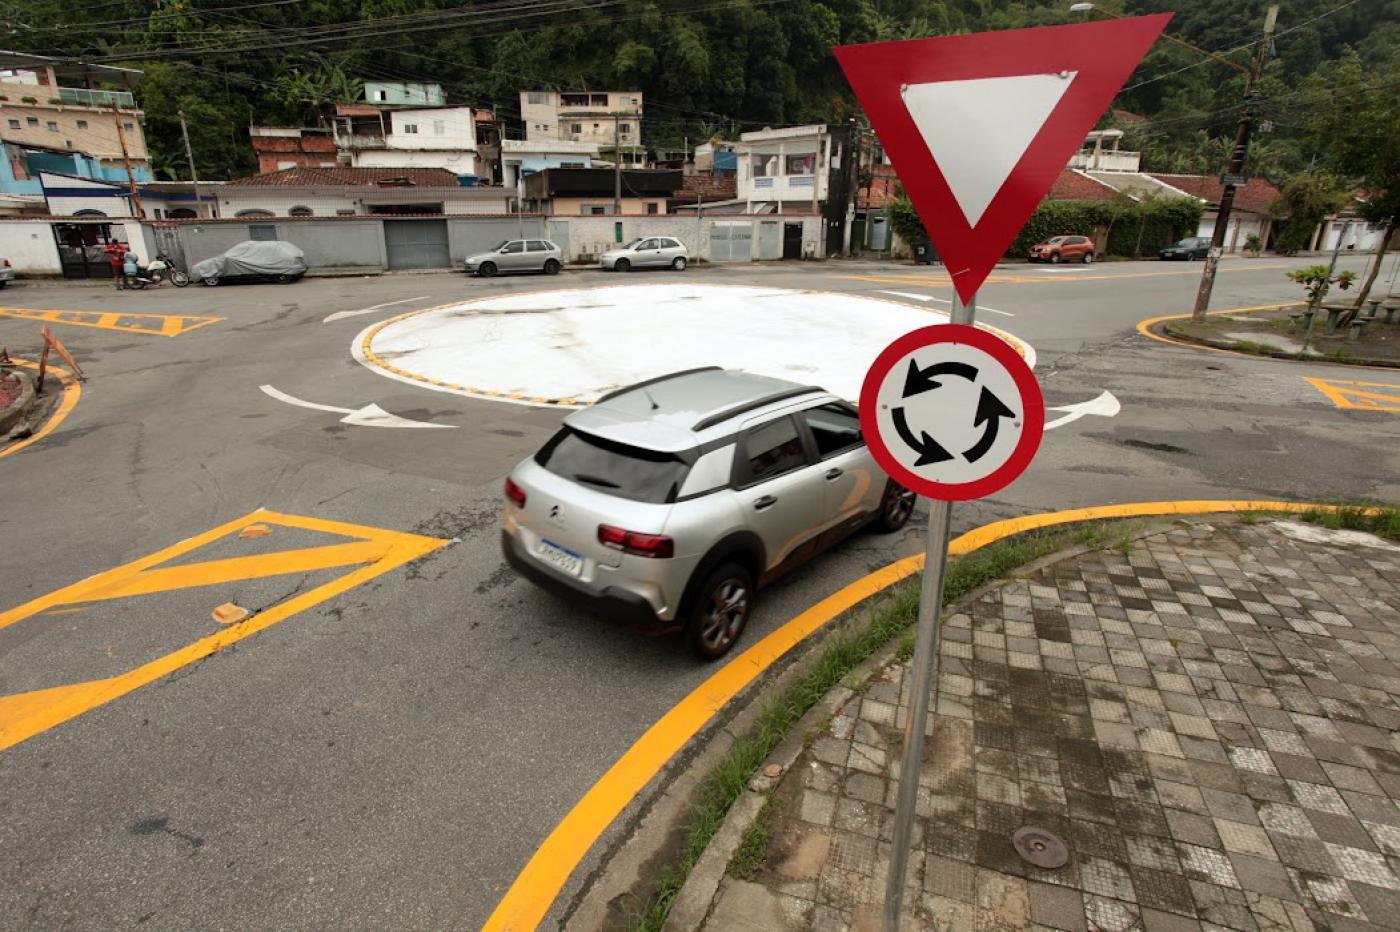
x: 560, y: 558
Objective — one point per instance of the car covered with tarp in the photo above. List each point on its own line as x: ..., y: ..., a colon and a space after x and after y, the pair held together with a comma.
x: 253, y: 261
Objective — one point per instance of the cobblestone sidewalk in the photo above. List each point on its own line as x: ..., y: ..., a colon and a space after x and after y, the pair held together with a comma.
x: 1209, y: 722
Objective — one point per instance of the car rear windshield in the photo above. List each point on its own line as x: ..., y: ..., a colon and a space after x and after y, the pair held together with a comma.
x: 614, y: 468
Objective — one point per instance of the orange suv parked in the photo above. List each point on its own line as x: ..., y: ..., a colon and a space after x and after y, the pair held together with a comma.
x: 1059, y: 249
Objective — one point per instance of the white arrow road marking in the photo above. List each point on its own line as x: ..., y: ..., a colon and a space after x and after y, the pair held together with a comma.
x: 927, y: 298
x: 341, y: 315
x: 371, y: 415
x: 1104, y: 406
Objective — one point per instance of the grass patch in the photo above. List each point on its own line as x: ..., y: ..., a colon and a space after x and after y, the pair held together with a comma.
x: 892, y: 615
x: 1381, y: 520
x: 753, y: 847
x: 1255, y: 349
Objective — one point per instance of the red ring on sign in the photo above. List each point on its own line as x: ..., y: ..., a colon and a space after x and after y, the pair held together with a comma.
x: 1032, y: 408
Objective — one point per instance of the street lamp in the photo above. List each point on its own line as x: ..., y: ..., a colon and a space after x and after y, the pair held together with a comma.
x: 1091, y: 7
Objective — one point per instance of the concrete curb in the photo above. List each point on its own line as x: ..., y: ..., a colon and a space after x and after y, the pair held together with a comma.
x: 697, y: 896
x: 18, y: 409
x: 1313, y: 357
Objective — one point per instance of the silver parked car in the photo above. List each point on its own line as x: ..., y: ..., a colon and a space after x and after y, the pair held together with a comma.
x: 518, y: 255
x: 674, y: 499
x: 649, y: 251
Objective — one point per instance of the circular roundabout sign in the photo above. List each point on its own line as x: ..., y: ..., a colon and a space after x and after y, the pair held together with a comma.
x: 951, y: 412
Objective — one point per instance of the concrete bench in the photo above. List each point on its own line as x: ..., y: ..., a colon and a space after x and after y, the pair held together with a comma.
x: 1334, y: 314
x: 1301, y: 319
x: 1358, y: 328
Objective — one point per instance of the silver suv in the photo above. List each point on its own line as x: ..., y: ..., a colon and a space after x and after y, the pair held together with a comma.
x: 674, y: 499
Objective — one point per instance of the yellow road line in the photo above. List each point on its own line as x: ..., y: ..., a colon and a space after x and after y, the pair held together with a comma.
x: 1354, y: 395
x: 24, y: 715
x: 72, y: 391
x: 940, y: 280
x: 529, y: 898
x: 156, y: 325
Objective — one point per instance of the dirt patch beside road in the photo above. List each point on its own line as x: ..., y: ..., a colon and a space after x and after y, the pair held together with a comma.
x: 1281, y: 332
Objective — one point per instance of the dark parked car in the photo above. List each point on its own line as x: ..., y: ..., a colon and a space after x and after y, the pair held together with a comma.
x: 1193, y: 247
x: 1059, y: 249
x: 253, y: 261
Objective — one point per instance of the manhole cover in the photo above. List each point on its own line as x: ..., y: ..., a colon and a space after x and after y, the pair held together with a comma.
x: 1039, y: 847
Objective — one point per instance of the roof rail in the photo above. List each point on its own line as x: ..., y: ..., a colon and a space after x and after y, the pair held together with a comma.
x: 645, y: 382
x: 721, y: 416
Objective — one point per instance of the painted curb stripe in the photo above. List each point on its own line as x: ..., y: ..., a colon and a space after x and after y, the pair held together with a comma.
x: 72, y: 391
x: 1144, y: 327
x: 530, y: 897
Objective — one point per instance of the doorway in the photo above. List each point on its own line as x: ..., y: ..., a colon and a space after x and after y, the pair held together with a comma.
x: 792, y: 240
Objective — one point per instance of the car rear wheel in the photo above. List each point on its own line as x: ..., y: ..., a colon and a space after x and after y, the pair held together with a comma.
x: 551, y: 267
x: 895, y: 508
x: 622, y: 265
x: 678, y: 263
x: 1088, y: 258
x: 211, y: 280
x: 285, y: 279
x: 721, y: 611
x: 486, y: 269
x: 1054, y: 258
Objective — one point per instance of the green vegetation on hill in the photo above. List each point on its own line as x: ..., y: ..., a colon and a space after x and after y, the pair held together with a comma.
x: 708, y: 67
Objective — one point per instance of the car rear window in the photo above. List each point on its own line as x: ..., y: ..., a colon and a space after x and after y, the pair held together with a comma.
x: 614, y: 468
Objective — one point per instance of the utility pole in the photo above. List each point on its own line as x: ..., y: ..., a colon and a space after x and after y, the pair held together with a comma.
x: 617, y: 164
x: 1235, y: 172
x: 189, y: 156
x: 126, y: 159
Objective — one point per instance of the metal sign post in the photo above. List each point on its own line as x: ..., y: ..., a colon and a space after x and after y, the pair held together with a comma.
x: 924, y: 679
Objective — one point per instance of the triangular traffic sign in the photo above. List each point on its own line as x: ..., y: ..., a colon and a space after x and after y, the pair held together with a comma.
x: 979, y: 126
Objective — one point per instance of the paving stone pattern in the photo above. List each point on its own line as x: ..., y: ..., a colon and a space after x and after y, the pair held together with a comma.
x: 1209, y: 722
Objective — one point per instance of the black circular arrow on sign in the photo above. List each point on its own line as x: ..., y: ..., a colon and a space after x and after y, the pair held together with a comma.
x: 990, y: 411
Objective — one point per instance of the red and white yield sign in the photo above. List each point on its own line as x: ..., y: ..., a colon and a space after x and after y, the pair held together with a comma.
x: 979, y: 126
x: 951, y: 412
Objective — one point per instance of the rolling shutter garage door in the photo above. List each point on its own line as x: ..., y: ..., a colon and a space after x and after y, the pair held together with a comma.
x: 417, y: 244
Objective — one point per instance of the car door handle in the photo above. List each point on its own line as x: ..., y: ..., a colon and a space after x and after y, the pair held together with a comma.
x: 766, y: 501
x: 834, y: 472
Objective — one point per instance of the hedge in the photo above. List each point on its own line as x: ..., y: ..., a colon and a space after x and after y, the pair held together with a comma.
x: 1135, y: 228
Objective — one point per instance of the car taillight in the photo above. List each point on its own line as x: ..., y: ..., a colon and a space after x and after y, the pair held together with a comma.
x: 655, y: 546
x: 515, y: 493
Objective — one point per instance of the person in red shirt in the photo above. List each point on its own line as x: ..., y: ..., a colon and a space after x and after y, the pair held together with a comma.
x: 115, y: 252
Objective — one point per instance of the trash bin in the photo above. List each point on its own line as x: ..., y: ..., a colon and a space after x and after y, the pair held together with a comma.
x: 924, y: 254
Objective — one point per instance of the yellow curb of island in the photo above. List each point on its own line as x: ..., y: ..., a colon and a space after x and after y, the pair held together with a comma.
x: 530, y: 897
x: 72, y: 391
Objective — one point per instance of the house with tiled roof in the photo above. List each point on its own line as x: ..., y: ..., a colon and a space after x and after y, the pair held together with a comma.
x: 349, y: 192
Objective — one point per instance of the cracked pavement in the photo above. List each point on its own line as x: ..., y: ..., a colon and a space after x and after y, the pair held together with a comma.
x: 392, y: 756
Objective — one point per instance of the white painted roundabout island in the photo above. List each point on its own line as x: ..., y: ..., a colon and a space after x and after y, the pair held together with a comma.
x: 568, y: 347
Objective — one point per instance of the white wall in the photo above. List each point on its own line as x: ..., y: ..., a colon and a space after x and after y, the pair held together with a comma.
x: 591, y: 236
x: 459, y: 162
x: 458, y: 129
x: 1361, y: 238
x: 324, y: 202
x: 30, y: 247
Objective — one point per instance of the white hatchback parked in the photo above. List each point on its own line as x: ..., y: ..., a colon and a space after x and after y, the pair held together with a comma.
x: 648, y: 251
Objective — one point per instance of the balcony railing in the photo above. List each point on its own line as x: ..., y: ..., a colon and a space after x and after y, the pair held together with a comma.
x: 87, y: 98
x: 356, y: 141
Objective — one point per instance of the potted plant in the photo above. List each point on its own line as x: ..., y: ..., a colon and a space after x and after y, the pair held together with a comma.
x: 1253, y: 246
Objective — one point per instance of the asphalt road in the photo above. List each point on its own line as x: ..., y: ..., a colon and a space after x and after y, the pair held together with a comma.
x: 390, y: 756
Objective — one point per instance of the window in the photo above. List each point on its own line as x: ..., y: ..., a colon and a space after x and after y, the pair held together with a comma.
x: 410, y: 128
x: 344, y: 212
x: 598, y: 100
x: 157, y: 213
x: 625, y: 129
x: 300, y: 211
x: 801, y: 164
x: 52, y: 126
x: 578, y: 127
x: 32, y: 121
x: 180, y: 213
x: 835, y: 428
x: 381, y: 95
x: 571, y: 165
x: 254, y: 213
x: 68, y: 143
x: 538, y: 98
x: 651, y: 209
x: 262, y: 231
x: 14, y: 124
x: 539, y: 245
x: 129, y: 127
x: 82, y: 124
x: 439, y: 127
x: 514, y: 246
x: 595, y: 210
x: 572, y: 100
x: 765, y: 166
x: 614, y: 468
x: 770, y: 451
x: 646, y: 244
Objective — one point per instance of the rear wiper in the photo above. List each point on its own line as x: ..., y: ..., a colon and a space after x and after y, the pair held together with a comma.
x: 595, y: 480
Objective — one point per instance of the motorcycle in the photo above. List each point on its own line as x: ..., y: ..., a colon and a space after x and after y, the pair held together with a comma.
x: 160, y: 269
